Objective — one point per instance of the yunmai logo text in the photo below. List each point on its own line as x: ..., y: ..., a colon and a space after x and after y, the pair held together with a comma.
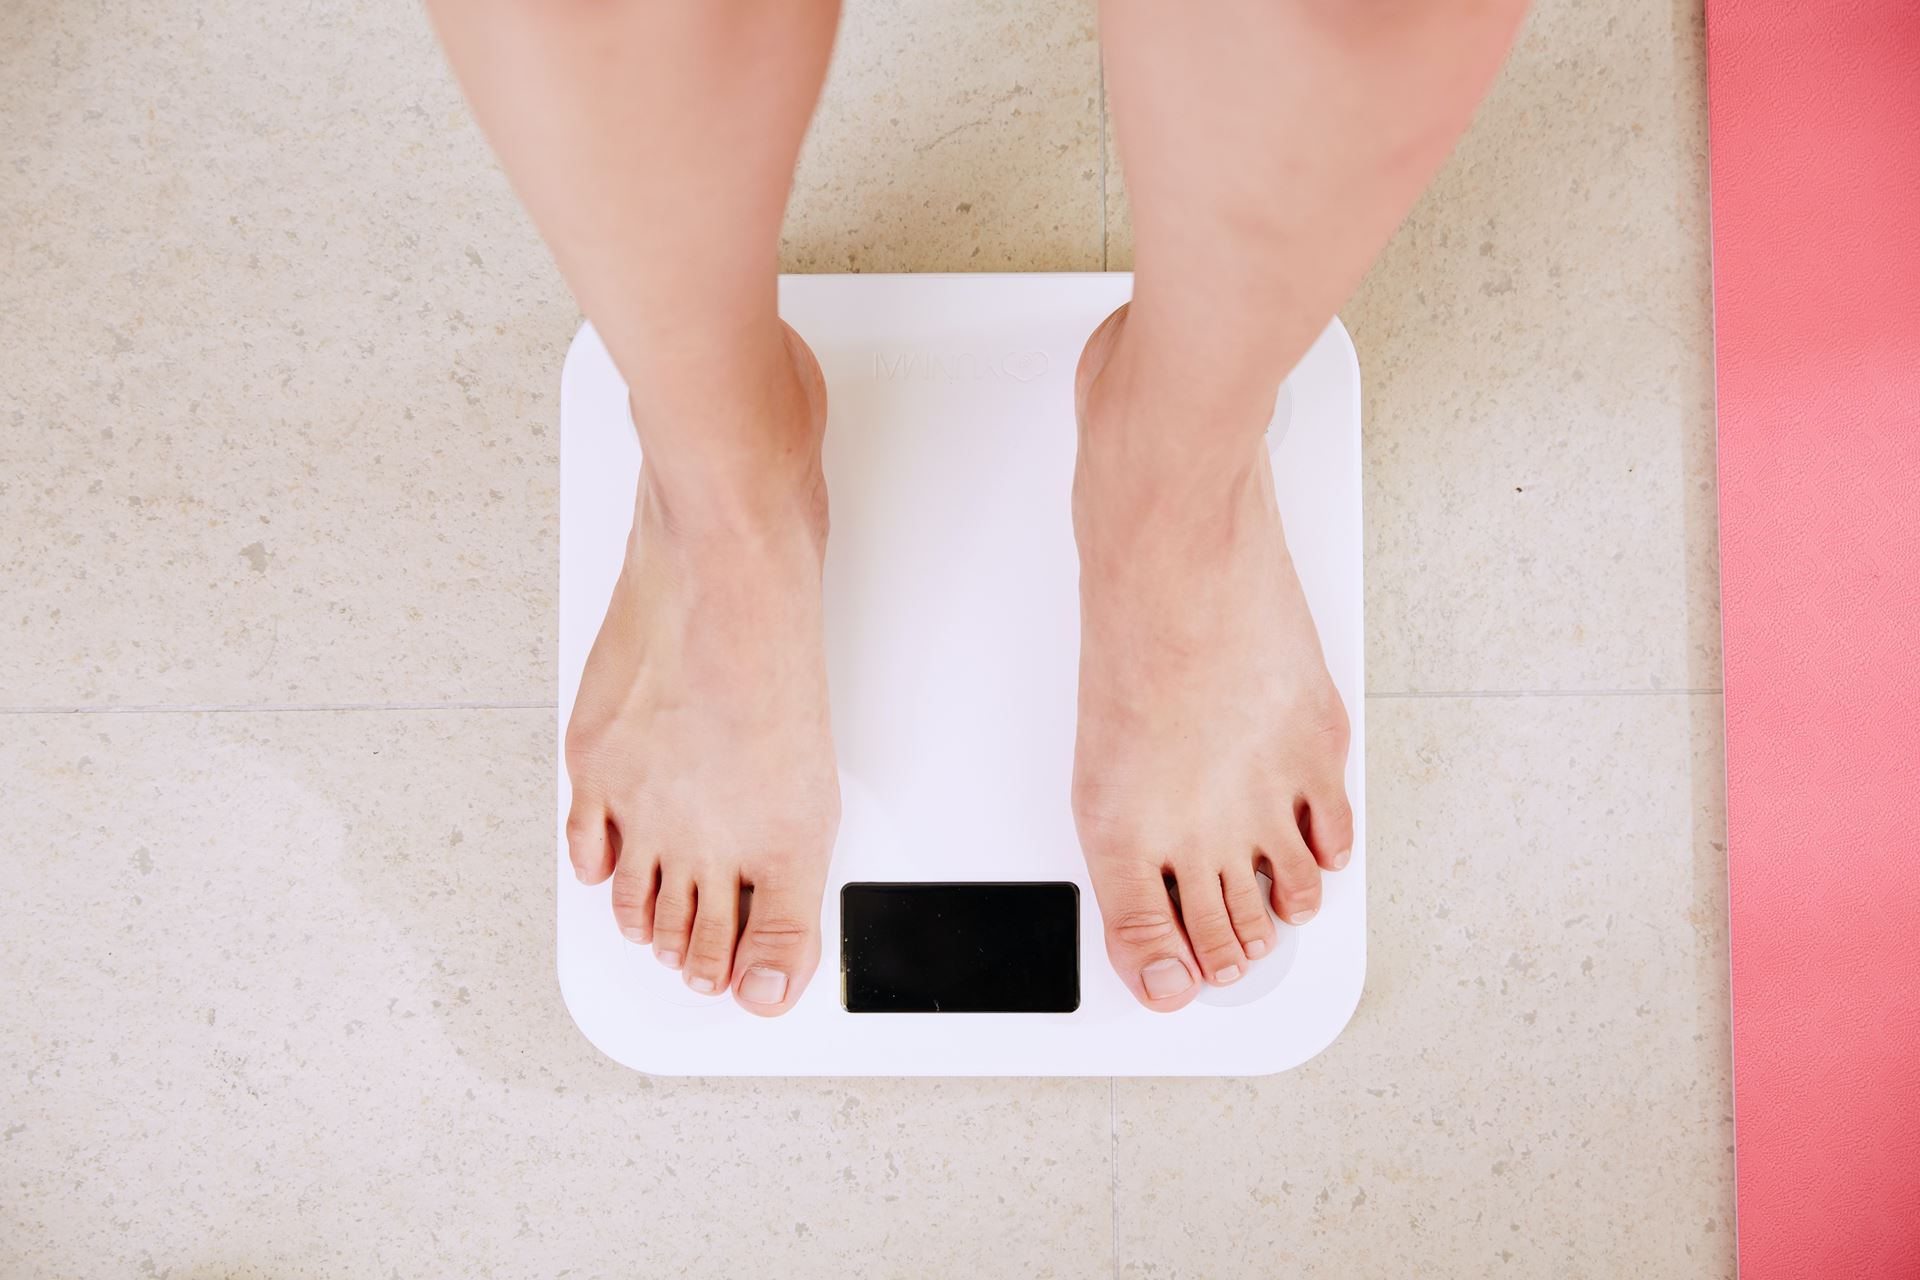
x: 960, y: 366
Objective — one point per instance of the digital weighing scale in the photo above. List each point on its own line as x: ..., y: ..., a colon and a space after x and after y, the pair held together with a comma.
x: 952, y: 624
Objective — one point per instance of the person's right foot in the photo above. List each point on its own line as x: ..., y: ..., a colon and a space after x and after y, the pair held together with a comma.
x: 699, y: 750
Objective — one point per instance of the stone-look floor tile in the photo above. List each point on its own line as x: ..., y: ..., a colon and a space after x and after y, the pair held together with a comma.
x: 284, y: 355
x: 1537, y: 1080
x: 954, y: 136
x: 277, y: 998
x: 283, y: 366
x: 1536, y: 345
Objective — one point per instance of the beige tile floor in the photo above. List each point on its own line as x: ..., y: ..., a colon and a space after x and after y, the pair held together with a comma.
x: 277, y: 486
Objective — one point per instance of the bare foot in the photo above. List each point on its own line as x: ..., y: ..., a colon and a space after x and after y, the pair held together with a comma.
x: 1212, y: 744
x: 699, y: 750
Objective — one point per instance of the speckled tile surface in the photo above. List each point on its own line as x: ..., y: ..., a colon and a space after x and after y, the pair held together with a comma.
x: 1536, y: 348
x: 962, y: 135
x: 287, y: 1007
x: 276, y: 430
x: 281, y: 362
x: 1537, y: 1081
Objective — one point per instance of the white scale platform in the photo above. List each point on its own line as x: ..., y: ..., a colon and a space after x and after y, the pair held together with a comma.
x: 952, y: 623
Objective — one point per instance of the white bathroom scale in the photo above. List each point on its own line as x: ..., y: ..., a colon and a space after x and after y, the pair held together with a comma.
x: 952, y: 627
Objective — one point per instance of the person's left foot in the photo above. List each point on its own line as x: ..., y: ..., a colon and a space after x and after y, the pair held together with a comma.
x: 1212, y: 744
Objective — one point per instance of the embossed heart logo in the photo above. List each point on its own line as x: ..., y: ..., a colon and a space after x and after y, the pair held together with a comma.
x: 1026, y: 365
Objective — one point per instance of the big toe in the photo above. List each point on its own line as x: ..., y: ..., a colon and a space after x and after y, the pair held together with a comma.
x: 1145, y: 942
x: 780, y: 946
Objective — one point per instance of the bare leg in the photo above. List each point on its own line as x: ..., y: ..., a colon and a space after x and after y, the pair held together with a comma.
x: 1270, y: 147
x: 654, y: 144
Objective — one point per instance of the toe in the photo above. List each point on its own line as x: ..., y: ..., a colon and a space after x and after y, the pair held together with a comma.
x: 672, y: 919
x: 1144, y: 939
x: 1247, y: 908
x: 1210, y: 932
x: 1327, y: 825
x: 635, y: 881
x: 716, y: 919
x: 780, y: 947
x: 590, y: 840
x: 1296, y: 879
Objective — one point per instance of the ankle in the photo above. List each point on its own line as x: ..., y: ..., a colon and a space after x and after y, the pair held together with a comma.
x: 1123, y: 511
x: 1219, y: 374
x: 736, y: 453
x: 783, y: 502
x: 1165, y: 465
x: 1159, y: 436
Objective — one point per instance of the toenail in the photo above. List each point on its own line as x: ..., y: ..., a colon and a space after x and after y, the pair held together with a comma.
x: 1229, y: 974
x: 1301, y: 917
x: 1256, y: 948
x: 671, y: 959
x: 1165, y: 978
x: 703, y: 985
x: 763, y: 986
x: 632, y: 934
x: 1339, y: 859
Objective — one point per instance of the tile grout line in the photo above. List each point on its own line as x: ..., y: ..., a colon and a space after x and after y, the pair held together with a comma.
x: 282, y: 708
x: 1100, y: 104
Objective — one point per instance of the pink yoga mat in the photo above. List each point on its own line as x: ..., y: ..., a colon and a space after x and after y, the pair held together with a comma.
x: 1816, y: 240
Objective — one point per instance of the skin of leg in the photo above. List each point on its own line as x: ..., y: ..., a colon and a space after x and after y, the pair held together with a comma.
x: 653, y: 142
x: 1270, y: 148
